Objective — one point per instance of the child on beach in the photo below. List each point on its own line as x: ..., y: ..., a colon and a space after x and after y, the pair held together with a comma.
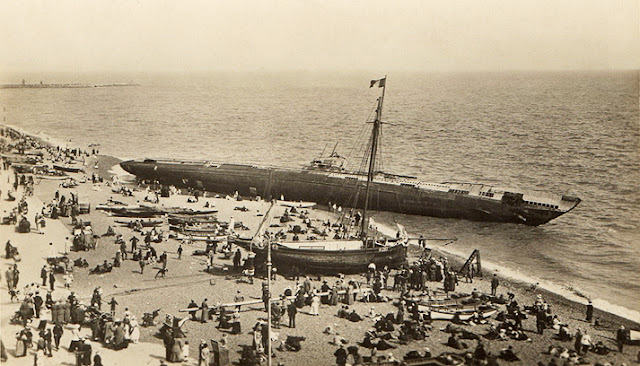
x: 68, y: 279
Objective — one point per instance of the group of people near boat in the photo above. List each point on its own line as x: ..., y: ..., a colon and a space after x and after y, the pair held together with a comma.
x: 404, y: 325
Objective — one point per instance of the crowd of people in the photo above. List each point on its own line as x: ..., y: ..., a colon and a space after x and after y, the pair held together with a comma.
x: 44, y: 315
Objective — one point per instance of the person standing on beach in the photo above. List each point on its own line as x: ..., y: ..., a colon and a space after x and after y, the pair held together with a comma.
x: 37, y: 304
x: 541, y: 319
x: 180, y: 251
x: 142, y: 263
x: 265, y: 296
x: 494, y: 285
x: 163, y: 259
x: 236, y: 260
x: 292, y: 310
x: 205, y: 310
x: 589, y: 317
x: 577, y: 344
x: 47, y: 336
x: 9, y: 277
x: 16, y: 275
x: 621, y: 337
x: 210, y: 259
x: 57, y: 334
x: 113, y: 303
x: 134, y: 243
x: 52, y: 280
x: 193, y: 313
x: 68, y: 279
x: 123, y: 250
x: 341, y: 355
x: 44, y: 275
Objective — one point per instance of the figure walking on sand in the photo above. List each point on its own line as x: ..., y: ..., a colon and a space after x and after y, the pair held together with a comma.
x: 205, y: 310
x: 315, y: 304
x: 589, y: 316
x: 494, y: 285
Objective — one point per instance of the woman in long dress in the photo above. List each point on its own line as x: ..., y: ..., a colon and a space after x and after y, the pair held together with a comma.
x: 315, y: 304
x: 235, y: 322
x: 21, y: 345
x: 205, y: 354
x: 257, y: 339
x: 135, y: 330
x: 333, y: 299
x: 118, y: 337
x: 176, y: 350
x: 108, y: 332
x: 126, y: 329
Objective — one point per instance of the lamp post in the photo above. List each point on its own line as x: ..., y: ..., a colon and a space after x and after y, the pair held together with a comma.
x: 269, y: 301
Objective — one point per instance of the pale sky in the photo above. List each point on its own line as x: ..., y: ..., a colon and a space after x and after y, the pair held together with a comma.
x: 402, y: 35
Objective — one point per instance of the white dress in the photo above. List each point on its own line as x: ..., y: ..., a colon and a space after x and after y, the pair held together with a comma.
x: 185, y: 351
x: 135, y: 331
x: 127, y: 332
x: 315, y: 305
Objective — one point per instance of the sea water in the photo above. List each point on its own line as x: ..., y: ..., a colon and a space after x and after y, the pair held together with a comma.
x: 573, y: 133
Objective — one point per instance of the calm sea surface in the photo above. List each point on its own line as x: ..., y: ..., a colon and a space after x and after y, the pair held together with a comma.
x: 574, y: 133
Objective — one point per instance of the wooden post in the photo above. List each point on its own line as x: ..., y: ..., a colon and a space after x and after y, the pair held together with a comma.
x: 268, y: 350
x: 478, y: 262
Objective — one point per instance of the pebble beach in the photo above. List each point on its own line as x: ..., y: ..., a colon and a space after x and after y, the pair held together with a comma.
x: 188, y: 279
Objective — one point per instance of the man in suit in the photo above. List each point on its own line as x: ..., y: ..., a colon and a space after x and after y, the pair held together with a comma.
x: 37, y: 303
x: 292, y: 310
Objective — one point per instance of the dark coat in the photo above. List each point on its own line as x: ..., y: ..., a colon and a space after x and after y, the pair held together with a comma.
x: 292, y: 310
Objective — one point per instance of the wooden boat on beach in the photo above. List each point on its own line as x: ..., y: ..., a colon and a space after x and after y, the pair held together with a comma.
x: 151, y: 211
x: 22, y: 168
x: 296, y: 204
x: 129, y: 211
x: 68, y: 168
x: 206, y: 226
x: 329, y: 256
x: 184, y: 211
x: 144, y: 223
x: 20, y: 159
x: 346, y: 255
x: 198, y: 231
x: 137, y: 212
x: 216, y: 238
x: 194, y: 215
x: 51, y: 177
x: 192, y: 221
x: 457, y: 312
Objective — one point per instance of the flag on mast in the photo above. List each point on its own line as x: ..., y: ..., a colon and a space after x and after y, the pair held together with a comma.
x: 381, y: 82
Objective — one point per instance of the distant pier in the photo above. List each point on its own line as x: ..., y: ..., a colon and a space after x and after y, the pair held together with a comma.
x: 65, y: 85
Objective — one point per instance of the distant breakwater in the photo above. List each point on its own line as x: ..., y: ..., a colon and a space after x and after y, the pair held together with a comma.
x: 65, y: 85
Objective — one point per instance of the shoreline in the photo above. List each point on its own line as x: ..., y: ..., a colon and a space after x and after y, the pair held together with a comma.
x: 505, y: 273
x: 570, y: 295
x: 512, y: 276
x: 142, y: 293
